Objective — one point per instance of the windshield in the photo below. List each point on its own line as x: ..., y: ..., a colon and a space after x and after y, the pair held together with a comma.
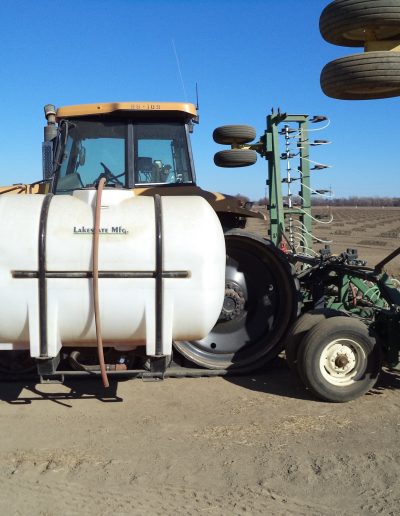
x: 94, y: 149
x: 161, y: 154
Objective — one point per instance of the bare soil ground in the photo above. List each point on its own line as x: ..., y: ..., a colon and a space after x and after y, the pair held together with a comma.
x: 252, y: 445
x: 375, y: 232
x: 257, y: 444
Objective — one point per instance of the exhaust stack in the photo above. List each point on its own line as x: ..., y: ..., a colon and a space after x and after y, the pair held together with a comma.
x: 50, y: 130
x: 50, y: 133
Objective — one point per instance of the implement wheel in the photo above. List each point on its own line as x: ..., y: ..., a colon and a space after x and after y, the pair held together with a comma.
x: 235, y: 158
x: 298, y: 331
x: 231, y: 134
x: 351, y: 23
x: 373, y: 75
x: 339, y: 360
x: 261, y: 301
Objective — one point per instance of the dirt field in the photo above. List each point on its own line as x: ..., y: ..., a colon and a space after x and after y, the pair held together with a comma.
x: 375, y: 232
x: 252, y: 445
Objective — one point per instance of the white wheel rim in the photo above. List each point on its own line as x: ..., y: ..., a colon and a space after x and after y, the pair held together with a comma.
x: 342, y: 362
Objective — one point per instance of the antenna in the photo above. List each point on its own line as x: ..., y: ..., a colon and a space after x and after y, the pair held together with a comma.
x: 197, y: 97
x: 179, y: 69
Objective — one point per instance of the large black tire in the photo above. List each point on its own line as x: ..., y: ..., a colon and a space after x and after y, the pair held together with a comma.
x: 373, y: 75
x: 235, y: 158
x: 339, y: 360
x: 261, y: 301
x: 230, y: 134
x: 351, y: 23
x: 298, y: 330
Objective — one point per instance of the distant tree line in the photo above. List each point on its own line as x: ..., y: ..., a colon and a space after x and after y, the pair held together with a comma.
x: 360, y: 201
x: 341, y: 201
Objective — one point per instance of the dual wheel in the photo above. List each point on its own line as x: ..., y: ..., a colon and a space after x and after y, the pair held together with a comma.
x: 334, y: 356
x: 235, y: 135
x: 356, y: 23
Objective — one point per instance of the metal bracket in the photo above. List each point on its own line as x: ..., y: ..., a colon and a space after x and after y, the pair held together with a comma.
x: 159, y: 364
x: 47, y: 366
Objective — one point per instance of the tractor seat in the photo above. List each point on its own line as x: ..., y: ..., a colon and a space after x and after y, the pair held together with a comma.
x: 144, y: 170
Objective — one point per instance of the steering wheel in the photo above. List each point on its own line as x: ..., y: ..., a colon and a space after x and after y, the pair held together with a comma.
x: 109, y: 176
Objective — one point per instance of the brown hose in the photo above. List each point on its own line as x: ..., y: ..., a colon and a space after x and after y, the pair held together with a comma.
x: 99, y: 338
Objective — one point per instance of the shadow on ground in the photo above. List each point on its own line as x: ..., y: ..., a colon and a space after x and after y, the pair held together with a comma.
x: 88, y: 389
x: 278, y: 379
x: 275, y: 379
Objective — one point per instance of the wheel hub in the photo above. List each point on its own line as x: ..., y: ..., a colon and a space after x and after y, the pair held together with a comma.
x: 340, y: 360
x: 234, y: 302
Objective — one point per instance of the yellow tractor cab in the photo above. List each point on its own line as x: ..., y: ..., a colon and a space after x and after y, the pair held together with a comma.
x: 143, y: 146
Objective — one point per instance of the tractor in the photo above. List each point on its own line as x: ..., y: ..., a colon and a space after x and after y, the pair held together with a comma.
x: 117, y: 263
x: 122, y: 251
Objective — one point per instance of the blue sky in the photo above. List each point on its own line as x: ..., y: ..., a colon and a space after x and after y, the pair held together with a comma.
x: 245, y: 56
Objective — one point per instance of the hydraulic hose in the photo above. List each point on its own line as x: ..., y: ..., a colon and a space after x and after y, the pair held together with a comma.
x: 99, y: 338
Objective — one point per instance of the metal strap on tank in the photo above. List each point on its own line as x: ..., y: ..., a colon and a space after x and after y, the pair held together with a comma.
x: 102, y: 274
x: 159, y: 274
x: 42, y: 275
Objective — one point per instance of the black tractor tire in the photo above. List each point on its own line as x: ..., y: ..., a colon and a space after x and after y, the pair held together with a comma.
x: 350, y: 23
x: 373, y: 75
x: 261, y: 302
x: 298, y: 330
x: 339, y: 359
x: 231, y: 134
x: 235, y: 158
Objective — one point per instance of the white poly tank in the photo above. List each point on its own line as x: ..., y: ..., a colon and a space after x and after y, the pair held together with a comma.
x: 46, y: 271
